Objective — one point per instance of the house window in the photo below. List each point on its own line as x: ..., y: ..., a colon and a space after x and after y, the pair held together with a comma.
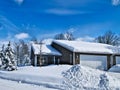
x: 44, y: 60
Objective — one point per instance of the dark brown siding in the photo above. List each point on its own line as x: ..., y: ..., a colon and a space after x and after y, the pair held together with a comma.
x: 108, y: 62
x: 67, y: 57
x: 114, y: 60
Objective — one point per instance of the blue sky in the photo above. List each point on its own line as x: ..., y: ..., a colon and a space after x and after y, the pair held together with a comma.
x: 24, y: 19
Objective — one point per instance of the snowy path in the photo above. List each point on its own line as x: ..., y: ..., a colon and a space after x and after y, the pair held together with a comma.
x: 12, y: 85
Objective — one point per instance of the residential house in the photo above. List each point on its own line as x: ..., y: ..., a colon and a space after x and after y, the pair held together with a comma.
x: 95, y: 55
x: 44, y: 55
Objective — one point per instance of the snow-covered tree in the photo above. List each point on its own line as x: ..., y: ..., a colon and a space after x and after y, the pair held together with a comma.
x: 65, y: 36
x: 8, y: 58
x: 22, y: 53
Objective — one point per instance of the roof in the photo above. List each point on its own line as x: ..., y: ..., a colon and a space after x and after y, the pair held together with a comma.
x: 46, y: 50
x: 88, y: 47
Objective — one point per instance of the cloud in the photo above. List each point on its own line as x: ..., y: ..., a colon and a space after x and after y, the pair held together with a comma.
x: 64, y: 11
x: 86, y: 38
x: 22, y: 36
x: 115, y: 2
x: 19, y: 2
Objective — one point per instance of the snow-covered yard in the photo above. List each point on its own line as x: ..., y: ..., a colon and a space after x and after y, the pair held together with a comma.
x: 12, y: 85
x: 57, y: 77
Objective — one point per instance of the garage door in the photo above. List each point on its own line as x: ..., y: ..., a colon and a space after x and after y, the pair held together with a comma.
x: 117, y: 60
x: 93, y: 61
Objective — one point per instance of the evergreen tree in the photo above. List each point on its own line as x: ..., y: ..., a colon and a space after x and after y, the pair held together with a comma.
x: 8, y: 58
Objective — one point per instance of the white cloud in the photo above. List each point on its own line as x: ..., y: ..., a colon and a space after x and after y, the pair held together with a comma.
x: 86, y: 38
x: 115, y: 2
x: 64, y: 11
x: 22, y: 36
x: 19, y: 1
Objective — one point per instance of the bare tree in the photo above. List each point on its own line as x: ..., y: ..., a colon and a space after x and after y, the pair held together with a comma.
x: 109, y: 38
x: 22, y: 52
x: 40, y: 59
x: 64, y: 36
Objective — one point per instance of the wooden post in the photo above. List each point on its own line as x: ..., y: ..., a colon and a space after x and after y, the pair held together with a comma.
x: 35, y: 61
x: 114, y: 60
x: 108, y: 61
x: 54, y: 59
x: 77, y: 59
x: 74, y: 58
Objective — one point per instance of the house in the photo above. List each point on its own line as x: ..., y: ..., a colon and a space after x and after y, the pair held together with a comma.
x: 44, y: 55
x: 95, y: 55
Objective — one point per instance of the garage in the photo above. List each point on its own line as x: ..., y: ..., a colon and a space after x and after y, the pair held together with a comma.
x: 94, y: 61
x: 117, y: 59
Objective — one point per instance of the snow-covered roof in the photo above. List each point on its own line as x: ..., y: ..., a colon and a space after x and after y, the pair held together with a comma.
x: 88, y: 47
x: 45, y: 49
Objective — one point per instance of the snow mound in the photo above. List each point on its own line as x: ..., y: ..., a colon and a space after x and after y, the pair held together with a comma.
x: 85, y: 78
x: 115, y: 68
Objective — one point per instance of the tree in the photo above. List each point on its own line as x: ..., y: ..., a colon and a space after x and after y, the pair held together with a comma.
x: 59, y: 36
x: 22, y: 53
x: 34, y: 39
x: 64, y: 36
x: 8, y: 58
x: 109, y: 38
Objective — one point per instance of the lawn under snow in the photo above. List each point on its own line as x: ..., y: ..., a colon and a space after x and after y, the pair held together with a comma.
x: 62, y: 77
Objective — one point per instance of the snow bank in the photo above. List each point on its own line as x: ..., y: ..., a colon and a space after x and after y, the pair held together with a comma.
x: 64, y: 77
x: 84, y: 78
x: 115, y: 68
x: 48, y: 76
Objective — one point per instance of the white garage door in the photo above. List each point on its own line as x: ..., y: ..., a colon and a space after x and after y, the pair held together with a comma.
x: 98, y: 62
x: 117, y: 60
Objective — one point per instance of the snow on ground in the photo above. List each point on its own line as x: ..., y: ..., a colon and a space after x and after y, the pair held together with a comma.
x: 115, y: 68
x: 48, y: 76
x: 53, y: 76
x: 12, y: 85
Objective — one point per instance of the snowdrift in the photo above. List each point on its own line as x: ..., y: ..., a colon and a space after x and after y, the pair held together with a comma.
x: 115, y: 68
x: 65, y: 77
x: 85, y: 78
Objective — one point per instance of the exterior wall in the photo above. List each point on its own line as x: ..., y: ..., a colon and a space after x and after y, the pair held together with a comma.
x: 67, y: 56
x: 108, y: 61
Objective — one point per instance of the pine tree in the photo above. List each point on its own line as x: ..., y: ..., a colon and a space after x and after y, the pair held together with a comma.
x: 8, y: 59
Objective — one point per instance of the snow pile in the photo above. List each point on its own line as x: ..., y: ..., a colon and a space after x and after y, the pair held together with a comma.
x: 115, y: 68
x: 84, y: 78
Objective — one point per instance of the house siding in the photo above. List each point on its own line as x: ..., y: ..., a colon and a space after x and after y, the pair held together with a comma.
x: 67, y: 56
